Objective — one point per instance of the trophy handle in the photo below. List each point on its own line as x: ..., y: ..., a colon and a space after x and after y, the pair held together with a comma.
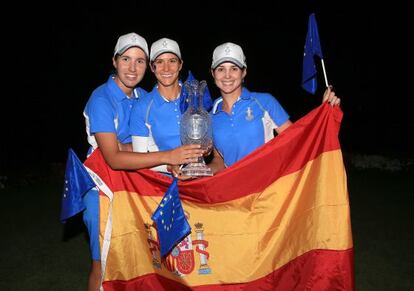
x: 202, y: 88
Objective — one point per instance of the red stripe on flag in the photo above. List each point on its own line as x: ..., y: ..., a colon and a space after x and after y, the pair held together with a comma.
x: 314, y: 270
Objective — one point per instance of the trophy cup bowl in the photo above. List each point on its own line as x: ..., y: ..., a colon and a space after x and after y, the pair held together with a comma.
x: 196, y: 128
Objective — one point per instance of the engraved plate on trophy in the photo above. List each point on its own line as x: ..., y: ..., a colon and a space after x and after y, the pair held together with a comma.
x: 196, y: 127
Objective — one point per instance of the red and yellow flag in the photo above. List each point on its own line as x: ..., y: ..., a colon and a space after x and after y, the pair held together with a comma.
x: 278, y: 219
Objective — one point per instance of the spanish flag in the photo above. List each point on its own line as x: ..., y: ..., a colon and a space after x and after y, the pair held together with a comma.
x: 279, y: 219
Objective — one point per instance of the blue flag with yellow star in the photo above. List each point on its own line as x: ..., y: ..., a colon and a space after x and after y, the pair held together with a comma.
x: 312, y: 49
x: 172, y: 225
x: 77, y: 183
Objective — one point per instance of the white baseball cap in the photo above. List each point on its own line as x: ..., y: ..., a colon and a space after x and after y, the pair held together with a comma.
x: 164, y: 45
x: 228, y: 52
x: 129, y: 40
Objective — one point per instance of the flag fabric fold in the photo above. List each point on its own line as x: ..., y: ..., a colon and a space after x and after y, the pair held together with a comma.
x: 312, y: 49
x: 278, y: 219
x: 77, y: 183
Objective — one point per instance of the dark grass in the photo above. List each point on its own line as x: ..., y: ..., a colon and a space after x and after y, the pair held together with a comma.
x: 382, y: 213
x: 40, y: 253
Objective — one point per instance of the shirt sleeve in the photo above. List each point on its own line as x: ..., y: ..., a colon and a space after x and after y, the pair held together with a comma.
x: 101, y: 115
x: 275, y: 109
x: 140, y: 144
x: 137, y: 119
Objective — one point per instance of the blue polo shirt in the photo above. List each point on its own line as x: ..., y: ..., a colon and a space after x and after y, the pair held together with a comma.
x: 108, y: 110
x: 162, y: 115
x: 240, y: 132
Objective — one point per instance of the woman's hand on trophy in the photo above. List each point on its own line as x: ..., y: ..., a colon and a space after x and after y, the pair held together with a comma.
x: 177, y: 173
x: 185, y: 154
x: 208, y: 149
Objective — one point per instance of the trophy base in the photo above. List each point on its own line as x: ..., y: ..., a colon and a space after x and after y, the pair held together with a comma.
x: 197, y: 170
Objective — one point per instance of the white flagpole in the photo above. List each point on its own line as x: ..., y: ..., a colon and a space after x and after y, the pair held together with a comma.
x: 324, y: 74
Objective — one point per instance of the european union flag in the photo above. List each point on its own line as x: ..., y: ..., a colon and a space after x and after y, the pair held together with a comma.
x: 172, y: 225
x: 207, y: 101
x: 312, y: 48
x: 77, y: 183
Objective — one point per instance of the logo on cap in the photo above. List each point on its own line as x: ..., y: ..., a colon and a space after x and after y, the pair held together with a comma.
x: 134, y: 38
x: 129, y: 40
x: 228, y: 52
x: 164, y: 45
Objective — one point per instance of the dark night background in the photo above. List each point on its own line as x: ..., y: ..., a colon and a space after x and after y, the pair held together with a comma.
x: 62, y: 52
x: 55, y: 54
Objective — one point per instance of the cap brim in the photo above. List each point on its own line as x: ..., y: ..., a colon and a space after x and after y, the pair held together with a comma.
x: 228, y: 59
x: 163, y: 52
x: 125, y: 48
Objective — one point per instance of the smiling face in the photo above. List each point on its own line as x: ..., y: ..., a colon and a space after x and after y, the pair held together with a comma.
x: 130, y: 67
x: 229, y: 78
x: 166, y: 68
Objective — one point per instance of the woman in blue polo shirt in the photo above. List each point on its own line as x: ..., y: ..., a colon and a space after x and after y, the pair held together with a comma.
x: 155, y: 119
x: 107, y: 115
x: 242, y: 120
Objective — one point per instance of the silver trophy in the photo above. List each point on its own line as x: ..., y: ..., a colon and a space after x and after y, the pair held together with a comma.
x: 196, y: 127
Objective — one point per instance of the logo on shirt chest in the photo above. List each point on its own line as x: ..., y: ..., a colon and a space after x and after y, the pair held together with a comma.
x: 249, y: 114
